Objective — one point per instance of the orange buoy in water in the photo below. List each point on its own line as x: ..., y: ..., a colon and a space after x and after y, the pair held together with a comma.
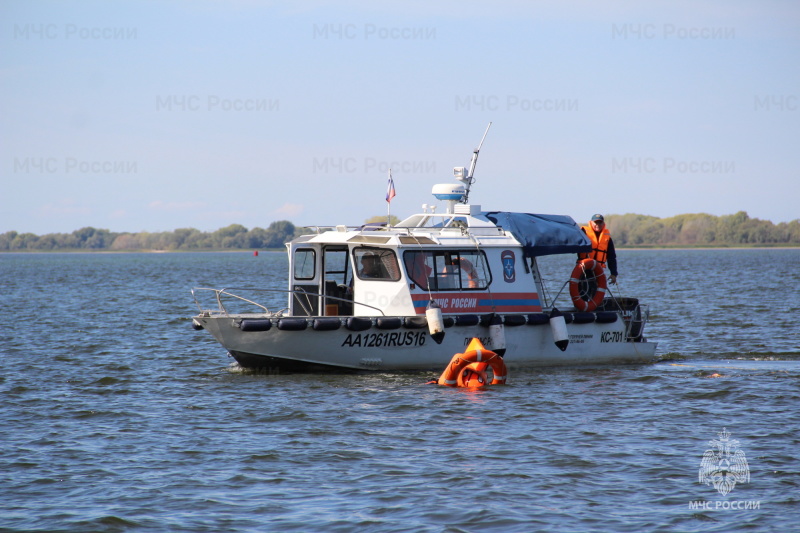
x: 468, y: 369
x: 255, y: 253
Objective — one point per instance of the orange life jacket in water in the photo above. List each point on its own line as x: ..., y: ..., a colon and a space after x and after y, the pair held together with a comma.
x: 599, y: 245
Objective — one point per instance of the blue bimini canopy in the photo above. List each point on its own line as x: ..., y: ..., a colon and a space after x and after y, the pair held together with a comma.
x: 543, y: 234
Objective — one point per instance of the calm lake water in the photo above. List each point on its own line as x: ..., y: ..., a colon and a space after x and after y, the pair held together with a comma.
x: 117, y: 416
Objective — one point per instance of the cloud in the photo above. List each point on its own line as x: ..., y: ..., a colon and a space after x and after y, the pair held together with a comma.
x: 158, y: 205
x: 65, y: 207
x: 289, y: 210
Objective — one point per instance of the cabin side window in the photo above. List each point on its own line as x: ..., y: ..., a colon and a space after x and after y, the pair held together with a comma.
x: 448, y: 269
x: 305, y: 260
x: 376, y: 264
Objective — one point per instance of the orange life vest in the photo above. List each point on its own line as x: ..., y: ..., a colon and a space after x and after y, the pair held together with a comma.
x: 599, y: 245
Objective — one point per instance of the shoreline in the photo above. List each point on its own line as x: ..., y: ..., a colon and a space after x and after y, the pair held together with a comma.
x: 280, y: 250
x: 726, y: 247
x: 82, y: 251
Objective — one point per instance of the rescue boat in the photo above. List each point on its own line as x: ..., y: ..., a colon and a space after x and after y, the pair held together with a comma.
x: 408, y: 296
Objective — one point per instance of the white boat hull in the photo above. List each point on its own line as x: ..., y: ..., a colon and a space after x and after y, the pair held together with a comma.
x: 374, y: 349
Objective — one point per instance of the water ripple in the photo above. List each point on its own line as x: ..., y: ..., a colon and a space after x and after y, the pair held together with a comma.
x: 119, y: 417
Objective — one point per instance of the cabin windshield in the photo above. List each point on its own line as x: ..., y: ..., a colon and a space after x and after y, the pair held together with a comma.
x: 454, y: 222
x: 447, y: 270
x: 434, y: 221
x: 376, y: 264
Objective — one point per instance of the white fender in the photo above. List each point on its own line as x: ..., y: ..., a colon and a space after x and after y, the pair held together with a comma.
x: 435, y: 323
x: 559, y: 328
x: 497, y: 336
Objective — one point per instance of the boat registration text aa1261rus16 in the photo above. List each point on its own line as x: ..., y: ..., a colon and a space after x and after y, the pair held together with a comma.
x: 376, y: 340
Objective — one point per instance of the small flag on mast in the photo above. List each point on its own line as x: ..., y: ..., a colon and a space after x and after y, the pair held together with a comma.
x: 390, y: 193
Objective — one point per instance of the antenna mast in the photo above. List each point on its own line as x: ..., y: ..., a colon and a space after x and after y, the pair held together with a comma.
x: 469, y: 180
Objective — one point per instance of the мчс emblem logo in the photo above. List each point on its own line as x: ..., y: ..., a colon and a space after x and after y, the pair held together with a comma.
x: 509, y: 274
x: 724, y: 466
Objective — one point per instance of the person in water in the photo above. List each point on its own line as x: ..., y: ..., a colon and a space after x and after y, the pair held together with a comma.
x: 602, y: 246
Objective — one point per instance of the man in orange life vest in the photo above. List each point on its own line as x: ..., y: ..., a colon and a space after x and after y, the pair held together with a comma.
x: 602, y: 245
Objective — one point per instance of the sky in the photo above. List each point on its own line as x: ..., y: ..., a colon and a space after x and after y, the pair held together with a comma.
x: 152, y: 116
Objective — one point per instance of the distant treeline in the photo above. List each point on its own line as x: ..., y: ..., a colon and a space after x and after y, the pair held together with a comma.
x: 701, y: 230
x: 626, y: 230
x: 234, y: 236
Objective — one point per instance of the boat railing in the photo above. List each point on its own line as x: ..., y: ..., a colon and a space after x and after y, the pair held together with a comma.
x: 300, y: 293
x: 219, y: 293
x: 635, y: 321
x: 634, y: 313
x: 322, y: 229
x: 609, y: 295
x: 489, y: 231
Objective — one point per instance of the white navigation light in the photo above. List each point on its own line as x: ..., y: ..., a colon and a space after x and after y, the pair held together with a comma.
x: 460, y: 173
x: 448, y: 191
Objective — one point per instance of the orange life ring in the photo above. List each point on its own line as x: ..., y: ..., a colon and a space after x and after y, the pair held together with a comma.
x: 582, y: 268
x: 467, y: 369
x: 472, y: 274
x: 467, y: 267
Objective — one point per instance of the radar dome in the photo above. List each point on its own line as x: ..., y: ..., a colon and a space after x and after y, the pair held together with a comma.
x: 449, y: 191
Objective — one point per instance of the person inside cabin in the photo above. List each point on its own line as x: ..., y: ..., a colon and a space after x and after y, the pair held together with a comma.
x: 370, y: 268
x: 464, y: 267
x: 602, y: 246
x: 447, y: 277
x: 458, y: 273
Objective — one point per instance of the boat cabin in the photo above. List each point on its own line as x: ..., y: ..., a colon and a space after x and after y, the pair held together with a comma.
x: 467, y: 261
